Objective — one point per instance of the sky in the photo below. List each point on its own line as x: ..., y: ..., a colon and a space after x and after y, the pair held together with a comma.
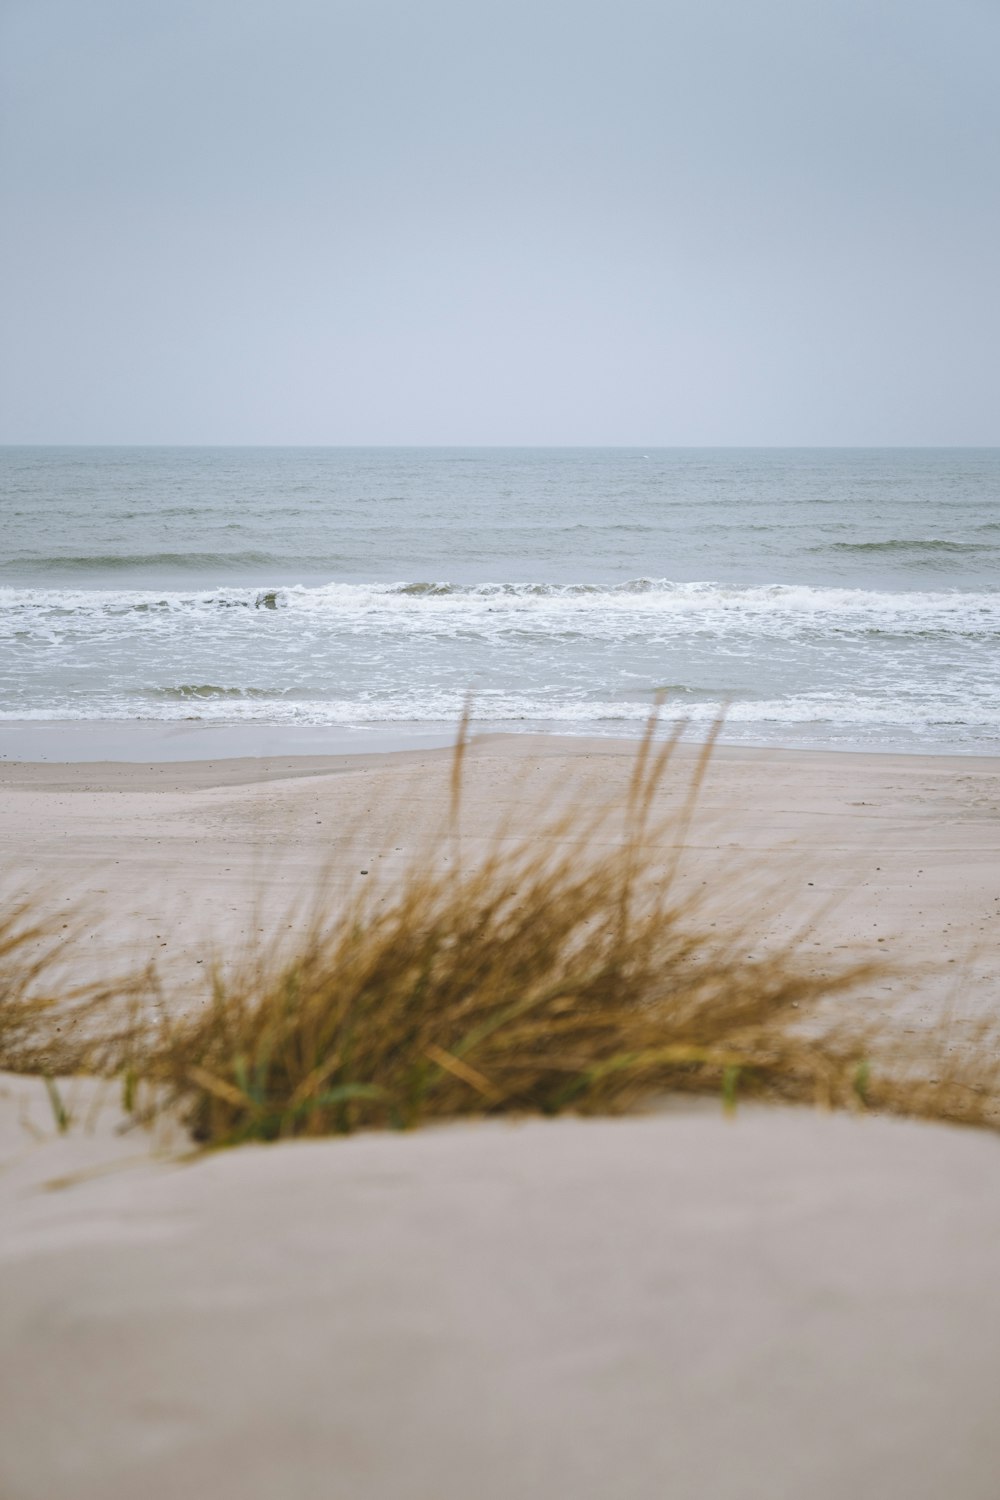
x: 656, y: 222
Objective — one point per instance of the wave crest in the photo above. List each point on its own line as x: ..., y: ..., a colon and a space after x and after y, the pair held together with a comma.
x: 916, y: 548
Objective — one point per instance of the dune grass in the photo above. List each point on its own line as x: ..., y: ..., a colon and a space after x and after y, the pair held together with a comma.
x: 565, y: 970
x: 51, y: 1019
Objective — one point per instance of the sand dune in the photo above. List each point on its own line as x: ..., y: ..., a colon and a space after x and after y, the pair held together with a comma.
x: 782, y: 1305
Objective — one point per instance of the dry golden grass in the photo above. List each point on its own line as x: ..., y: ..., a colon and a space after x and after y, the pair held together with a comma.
x: 52, y: 1020
x: 951, y: 1072
x: 26, y: 952
x: 565, y: 970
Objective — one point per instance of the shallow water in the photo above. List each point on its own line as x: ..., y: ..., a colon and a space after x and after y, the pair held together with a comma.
x: 842, y: 597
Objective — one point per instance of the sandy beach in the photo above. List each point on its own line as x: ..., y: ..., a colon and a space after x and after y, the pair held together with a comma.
x: 896, y: 855
x: 783, y: 1304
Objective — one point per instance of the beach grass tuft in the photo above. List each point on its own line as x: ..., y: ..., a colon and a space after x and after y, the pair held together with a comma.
x: 56, y: 1017
x: 568, y: 969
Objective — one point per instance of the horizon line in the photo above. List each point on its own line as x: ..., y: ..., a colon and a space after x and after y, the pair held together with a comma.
x: 533, y: 447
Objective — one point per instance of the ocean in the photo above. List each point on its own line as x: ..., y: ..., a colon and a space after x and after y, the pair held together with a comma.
x: 843, y: 598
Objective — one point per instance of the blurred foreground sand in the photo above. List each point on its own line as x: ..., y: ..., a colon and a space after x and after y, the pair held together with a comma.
x: 783, y: 1305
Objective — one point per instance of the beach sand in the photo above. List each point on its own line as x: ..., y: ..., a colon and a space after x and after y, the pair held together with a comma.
x: 782, y: 1305
x: 891, y: 854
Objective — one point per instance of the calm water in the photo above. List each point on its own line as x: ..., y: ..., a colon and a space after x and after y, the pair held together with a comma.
x: 826, y: 596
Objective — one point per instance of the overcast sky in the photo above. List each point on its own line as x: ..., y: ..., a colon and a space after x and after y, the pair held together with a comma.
x: 528, y: 221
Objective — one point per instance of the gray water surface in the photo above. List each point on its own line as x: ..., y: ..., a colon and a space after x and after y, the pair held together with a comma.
x: 842, y: 597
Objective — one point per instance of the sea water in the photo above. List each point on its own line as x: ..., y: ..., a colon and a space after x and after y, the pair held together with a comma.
x: 816, y: 597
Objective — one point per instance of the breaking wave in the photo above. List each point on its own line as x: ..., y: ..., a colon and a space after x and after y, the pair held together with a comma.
x: 781, y: 658
x: 642, y: 605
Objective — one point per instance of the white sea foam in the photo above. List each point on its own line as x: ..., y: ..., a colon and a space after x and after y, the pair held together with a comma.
x: 189, y: 585
x: 490, y: 607
x: 825, y: 718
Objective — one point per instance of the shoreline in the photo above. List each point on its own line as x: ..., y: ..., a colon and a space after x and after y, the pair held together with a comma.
x: 70, y: 741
